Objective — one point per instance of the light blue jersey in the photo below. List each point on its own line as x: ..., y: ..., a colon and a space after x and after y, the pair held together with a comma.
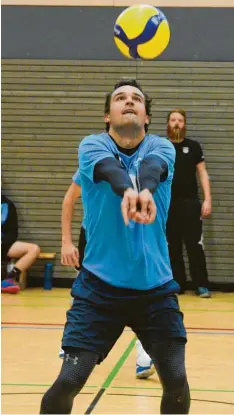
x: 76, y: 178
x: 134, y: 256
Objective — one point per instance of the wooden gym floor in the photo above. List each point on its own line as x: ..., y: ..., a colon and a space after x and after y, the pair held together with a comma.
x: 32, y: 324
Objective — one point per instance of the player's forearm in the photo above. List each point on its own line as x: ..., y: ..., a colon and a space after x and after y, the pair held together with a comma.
x: 66, y: 221
x: 110, y: 170
x: 152, y: 171
x: 205, y: 184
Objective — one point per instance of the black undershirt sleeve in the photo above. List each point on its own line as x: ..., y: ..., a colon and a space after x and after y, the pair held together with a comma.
x: 152, y: 171
x: 111, y: 170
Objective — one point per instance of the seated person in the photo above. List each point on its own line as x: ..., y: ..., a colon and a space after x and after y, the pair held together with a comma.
x: 25, y: 253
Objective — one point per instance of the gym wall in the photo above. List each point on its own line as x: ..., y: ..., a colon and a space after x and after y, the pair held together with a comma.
x: 57, y: 64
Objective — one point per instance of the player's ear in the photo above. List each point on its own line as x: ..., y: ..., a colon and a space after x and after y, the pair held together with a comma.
x: 107, y: 118
x: 147, y: 120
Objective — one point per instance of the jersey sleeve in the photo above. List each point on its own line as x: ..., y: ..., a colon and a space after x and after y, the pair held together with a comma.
x: 198, y: 153
x: 164, y: 149
x: 76, y: 178
x: 91, y: 151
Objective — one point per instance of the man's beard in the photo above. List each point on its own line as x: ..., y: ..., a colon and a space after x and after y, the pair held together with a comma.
x: 176, y: 134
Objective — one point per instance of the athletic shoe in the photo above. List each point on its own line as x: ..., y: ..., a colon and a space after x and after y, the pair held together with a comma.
x: 9, y: 286
x: 144, y: 364
x: 203, y: 292
x: 61, y: 353
x: 144, y: 372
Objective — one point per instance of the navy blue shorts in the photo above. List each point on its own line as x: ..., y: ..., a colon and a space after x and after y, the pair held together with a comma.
x: 100, y: 313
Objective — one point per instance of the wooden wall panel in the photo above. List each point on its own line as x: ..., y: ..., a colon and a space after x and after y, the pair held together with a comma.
x: 49, y: 106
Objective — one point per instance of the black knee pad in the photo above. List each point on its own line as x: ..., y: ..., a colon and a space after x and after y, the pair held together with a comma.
x: 76, y: 368
x: 169, y: 359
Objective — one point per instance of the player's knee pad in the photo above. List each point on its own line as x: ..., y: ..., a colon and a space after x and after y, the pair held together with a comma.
x: 76, y: 368
x: 169, y: 359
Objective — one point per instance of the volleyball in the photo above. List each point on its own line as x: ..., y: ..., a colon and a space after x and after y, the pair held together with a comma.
x: 141, y: 32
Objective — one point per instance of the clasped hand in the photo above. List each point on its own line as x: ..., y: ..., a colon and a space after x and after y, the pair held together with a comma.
x: 139, y: 207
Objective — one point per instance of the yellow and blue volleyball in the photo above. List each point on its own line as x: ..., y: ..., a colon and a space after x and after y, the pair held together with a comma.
x: 141, y: 32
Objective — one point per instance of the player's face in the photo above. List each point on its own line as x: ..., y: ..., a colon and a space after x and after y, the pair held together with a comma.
x: 127, y: 108
x: 176, y: 127
x: 176, y: 120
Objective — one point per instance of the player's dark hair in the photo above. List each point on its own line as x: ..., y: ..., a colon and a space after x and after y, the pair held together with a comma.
x: 130, y: 82
x: 180, y: 111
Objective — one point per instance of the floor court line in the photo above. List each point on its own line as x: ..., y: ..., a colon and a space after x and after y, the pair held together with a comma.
x: 32, y: 324
x: 22, y: 323
x: 98, y: 396
x: 125, y: 331
x: 187, y: 310
x: 111, y: 376
x: 43, y: 328
x: 94, y: 401
x: 122, y: 387
x: 37, y: 393
x: 159, y: 388
x: 102, y: 390
x: 159, y: 396
x: 39, y: 385
x: 222, y: 298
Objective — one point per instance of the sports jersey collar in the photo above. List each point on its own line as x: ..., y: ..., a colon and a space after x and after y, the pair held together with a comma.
x: 127, y: 151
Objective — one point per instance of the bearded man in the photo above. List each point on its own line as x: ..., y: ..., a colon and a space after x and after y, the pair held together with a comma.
x: 186, y: 212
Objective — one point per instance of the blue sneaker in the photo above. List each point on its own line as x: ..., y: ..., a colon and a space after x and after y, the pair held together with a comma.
x: 203, y: 292
x: 143, y: 372
x: 144, y: 364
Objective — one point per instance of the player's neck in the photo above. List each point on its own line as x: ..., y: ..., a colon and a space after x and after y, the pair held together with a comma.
x: 127, y: 139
